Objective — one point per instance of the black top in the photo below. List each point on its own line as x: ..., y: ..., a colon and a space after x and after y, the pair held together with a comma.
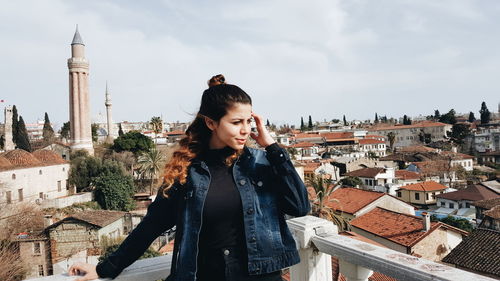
x: 222, y: 224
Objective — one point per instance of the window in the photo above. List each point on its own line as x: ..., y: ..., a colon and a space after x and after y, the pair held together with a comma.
x: 417, y: 196
x: 64, y: 169
x: 399, y: 193
x: 40, y: 195
x: 9, y: 197
x: 467, y: 205
x: 443, y: 204
x: 451, y: 205
x: 13, y: 176
x: 40, y: 172
x: 59, y: 186
x: 20, y: 194
x: 40, y: 270
x: 427, y: 196
x: 36, y: 248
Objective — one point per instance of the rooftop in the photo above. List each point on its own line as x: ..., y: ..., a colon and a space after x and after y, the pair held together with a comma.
x: 99, y: 218
x: 488, y: 203
x: 366, y: 172
x: 351, y: 200
x: 425, y: 186
x: 407, y: 175
x: 415, y: 125
x: 18, y: 158
x: 474, y: 192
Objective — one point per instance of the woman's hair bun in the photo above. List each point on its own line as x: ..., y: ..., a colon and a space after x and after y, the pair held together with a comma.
x: 216, y: 80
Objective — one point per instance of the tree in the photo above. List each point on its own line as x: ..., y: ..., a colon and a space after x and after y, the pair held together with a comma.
x: 150, y: 164
x: 472, y: 118
x: 484, y: 113
x: 449, y: 118
x: 15, y: 124
x: 458, y: 133
x: 48, y: 132
x: 133, y: 141
x: 65, y: 130
x: 345, y: 121
x: 94, y: 127
x: 406, y: 120
x: 351, y: 181
x: 83, y: 170
x: 156, y: 124
x: 120, y: 130
x: 463, y: 224
x: 267, y: 123
x: 310, y: 123
x: 23, y: 141
x: 437, y: 115
x: 376, y: 118
x: 114, y: 188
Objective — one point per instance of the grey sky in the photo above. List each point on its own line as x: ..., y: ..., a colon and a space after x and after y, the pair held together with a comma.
x: 295, y: 58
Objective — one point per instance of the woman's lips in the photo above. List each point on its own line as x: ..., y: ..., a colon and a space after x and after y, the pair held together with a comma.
x: 241, y: 140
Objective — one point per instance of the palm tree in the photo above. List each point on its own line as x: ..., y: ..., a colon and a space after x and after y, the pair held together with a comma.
x: 150, y: 164
x: 157, y: 125
x: 323, y: 188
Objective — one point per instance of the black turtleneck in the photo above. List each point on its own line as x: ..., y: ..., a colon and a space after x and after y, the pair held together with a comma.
x: 222, y: 212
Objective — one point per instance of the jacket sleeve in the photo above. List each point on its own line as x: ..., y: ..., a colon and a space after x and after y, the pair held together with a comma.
x: 294, y: 198
x: 161, y: 216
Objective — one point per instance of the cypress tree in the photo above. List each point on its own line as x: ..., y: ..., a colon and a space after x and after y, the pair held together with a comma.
x: 472, y: 118
x: 485, y: 114
x: 65, y: 130
x: 120, y: 130
x: 22, y: 136
x: 267, y: 123
x: 15, y: 124
x: 376, y: 118
x: 302, y: 126
x: 345, y: 121
x: 310, y: 123
x: 48, y: 132
x: 437, y: 115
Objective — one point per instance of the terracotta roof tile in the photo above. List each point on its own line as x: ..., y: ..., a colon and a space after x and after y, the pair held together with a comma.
x: 307, y: 135
x: 351, y: 200
x: 488, y: 203
x: 366, y: 172
x: 21, y: 158
x: 310, y: 167
x: 473, y: 192
x: 407, y: 175
x: 399, y: 228
x: 337, y: 135
x: 478, y: 252
x: 48, y: 157
x: 424, y: 186
x: 493, y: 212
x: 98, y: 218
x: 370, y: 141
x: 4, y: 163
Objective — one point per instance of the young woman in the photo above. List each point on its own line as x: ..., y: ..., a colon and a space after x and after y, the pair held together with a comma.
x: 226, y: 200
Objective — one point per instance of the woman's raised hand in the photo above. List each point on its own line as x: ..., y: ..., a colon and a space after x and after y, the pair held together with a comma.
x: 88, y: 271
x: 263, y: 138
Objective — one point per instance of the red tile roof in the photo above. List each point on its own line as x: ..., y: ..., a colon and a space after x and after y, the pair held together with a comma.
x: 366, y: 172
x: 351, y: 200
x: 403, y: 229
x: 337, y: 135
x: 311, y: 166
x: 307, y: 135
x: 178, y: 132
x: 415, y: 125
x: 424, y: 186
x: 416, y: 148
x: 370, y: 141
x: 407, y: 175
x: 493, y: 212
x: 473, y: 192
x: 21, y: 158
x: 303, y: 144
x: 49, y: 157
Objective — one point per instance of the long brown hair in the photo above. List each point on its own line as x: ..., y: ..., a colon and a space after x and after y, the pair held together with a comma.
x: 215, y: 102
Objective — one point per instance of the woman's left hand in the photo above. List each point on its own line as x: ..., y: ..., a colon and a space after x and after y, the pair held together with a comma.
x: 263, y: 138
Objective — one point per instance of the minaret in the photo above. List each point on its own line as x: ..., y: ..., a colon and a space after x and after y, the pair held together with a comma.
x: 8, y: 143
x: 79, y: 107
x: 107, y: 103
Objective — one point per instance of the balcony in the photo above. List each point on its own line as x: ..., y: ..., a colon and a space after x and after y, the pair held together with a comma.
x: 317, y: 240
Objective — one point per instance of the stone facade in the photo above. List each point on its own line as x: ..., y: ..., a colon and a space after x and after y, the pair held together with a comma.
x: 35, y: 252
x: 8, y: 143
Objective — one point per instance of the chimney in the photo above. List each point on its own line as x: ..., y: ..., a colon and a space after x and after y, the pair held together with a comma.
x: 47, y: 220
x: 426, y: 220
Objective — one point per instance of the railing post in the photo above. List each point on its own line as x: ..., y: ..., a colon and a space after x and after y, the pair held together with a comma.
x: 354, y: 272
x: 314, y: 265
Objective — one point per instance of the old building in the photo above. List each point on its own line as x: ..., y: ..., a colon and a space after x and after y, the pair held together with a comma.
x: 408, y: 234
x: 422, y: 194
x: 414, y: 134
x: 378, y: 179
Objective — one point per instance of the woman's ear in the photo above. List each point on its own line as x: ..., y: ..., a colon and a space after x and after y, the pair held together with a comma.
x: 211, y: 124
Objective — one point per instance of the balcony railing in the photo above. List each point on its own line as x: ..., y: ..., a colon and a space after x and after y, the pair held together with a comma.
x: 317, y: 240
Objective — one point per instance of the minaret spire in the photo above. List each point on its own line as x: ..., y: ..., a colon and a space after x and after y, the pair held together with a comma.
x: 77, y: 39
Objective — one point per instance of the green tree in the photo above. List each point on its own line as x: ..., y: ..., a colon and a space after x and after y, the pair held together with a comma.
x: 23, y: 141
x: 150, y: 164
x: 83, y: 170
x: 472, y: 118
x: 133, y: 141
x: 449, y: 118
x: 463, y: 224
x: 484, y: 113
x: 94, y: 127
x: 351, y: 181
x: 437, y: 115
x: 65, y: 130
x: 156, y: 124
x: 114, y: 189
x: 302, y: 126
x: 48, y: 132
x: 458, y: 133
x: 376, y: 118
x: 345, y: 121
x: 406, y: 120
x: 120, y: 130
x: 15, y: 124
x: 310, y: 123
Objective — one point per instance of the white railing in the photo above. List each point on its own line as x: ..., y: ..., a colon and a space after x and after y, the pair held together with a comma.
x: 317, y: 240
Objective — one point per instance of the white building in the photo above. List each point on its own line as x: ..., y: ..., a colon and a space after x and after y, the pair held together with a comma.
x: 376, y: 146
x: 406, y: 135
x: 32, y: 177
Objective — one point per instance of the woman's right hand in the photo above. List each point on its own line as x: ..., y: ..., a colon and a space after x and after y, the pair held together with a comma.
x: 88, y: 271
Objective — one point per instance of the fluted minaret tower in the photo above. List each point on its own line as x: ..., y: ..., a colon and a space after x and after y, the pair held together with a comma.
x: 107, y: 103
x: 79, y: 107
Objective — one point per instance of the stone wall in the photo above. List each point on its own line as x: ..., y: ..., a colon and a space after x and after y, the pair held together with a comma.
x: 34, y: 260
x: 70, y: 238
x: 67, y: 200
x: 434, y: 246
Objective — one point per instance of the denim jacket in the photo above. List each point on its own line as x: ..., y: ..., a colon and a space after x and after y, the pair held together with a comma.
x: 269, y: 188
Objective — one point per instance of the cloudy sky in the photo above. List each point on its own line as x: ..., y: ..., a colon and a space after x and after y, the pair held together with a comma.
x: 324, y: 58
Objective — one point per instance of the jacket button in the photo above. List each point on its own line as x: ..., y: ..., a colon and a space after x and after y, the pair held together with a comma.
x: 259, y: 183
x: 250, y: 211
x: 242, y: 182
x: 226, y: 252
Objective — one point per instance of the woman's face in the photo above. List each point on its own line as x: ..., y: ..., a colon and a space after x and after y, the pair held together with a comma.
x: 232, y: 129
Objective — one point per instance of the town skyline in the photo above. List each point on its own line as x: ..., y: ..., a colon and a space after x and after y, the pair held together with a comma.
x: 346, y: 61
